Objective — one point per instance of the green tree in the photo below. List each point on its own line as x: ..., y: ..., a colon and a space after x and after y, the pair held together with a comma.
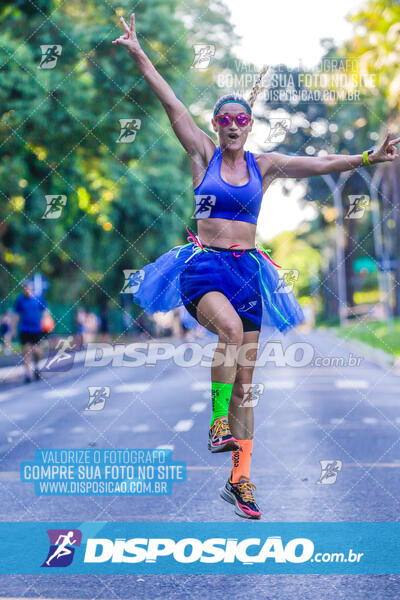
x: 376, y: 48
x: 60, y: 130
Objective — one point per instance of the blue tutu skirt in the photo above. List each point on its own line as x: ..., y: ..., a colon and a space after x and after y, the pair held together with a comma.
x: 248, y: 279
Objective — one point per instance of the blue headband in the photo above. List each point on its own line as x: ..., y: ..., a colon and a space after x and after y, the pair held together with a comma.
x: 227, y: 101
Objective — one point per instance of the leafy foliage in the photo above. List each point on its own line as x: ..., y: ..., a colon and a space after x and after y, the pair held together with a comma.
x: 126, y: 202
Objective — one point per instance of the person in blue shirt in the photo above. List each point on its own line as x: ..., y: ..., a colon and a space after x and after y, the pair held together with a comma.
x: 28, y: 312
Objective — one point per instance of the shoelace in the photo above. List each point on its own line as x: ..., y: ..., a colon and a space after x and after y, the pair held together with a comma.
x: 221, y: 428
x: 192, y: 241
x: 246, y: 491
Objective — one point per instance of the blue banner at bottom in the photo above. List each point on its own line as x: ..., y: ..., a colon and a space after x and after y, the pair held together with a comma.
x: 196, y: 548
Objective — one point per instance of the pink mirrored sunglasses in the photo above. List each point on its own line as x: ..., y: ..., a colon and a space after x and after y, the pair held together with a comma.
x: 241, y: 120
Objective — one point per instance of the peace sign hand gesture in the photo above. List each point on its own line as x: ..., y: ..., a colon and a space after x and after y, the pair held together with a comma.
x: 387, y: 152
x: 129, y: 40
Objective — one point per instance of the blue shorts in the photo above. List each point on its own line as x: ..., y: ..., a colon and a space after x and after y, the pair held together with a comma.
x: 230, y: 272
x: 250, y: 282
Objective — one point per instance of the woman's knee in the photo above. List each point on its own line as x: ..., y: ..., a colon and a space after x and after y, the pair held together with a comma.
x: 215, y: 312
x: 230, y: 331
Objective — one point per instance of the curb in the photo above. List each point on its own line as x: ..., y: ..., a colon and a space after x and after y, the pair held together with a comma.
x: 376, y: 355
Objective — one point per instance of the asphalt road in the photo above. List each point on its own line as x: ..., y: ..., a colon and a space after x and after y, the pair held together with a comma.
x: 305, y: 414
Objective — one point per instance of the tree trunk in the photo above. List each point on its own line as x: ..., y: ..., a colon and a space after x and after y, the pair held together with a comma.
x: 349, y: 258
x: 394, y: 173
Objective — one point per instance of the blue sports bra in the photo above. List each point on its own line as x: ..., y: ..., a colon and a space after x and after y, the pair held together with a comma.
x: 217, y: 199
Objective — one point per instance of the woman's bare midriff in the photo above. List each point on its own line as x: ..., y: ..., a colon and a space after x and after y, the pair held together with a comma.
x: 225, y: 233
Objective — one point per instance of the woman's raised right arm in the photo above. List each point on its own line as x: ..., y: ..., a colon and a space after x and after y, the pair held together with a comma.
x: 193, y: 139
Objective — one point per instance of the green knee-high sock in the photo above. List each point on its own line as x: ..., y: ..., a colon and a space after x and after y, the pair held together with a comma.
x: 220, y: 396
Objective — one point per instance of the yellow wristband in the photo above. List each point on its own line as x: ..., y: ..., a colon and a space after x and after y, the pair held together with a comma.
x: 366, y: 159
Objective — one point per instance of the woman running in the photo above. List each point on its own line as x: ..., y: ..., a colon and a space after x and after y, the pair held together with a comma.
x: 225, y: 280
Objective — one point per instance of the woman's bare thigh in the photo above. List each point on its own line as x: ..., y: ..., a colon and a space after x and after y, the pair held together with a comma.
x: 216, y: 313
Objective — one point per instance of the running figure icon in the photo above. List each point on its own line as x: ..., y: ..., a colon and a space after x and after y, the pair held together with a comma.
x: 62, y: 549
x: 63, y: 543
